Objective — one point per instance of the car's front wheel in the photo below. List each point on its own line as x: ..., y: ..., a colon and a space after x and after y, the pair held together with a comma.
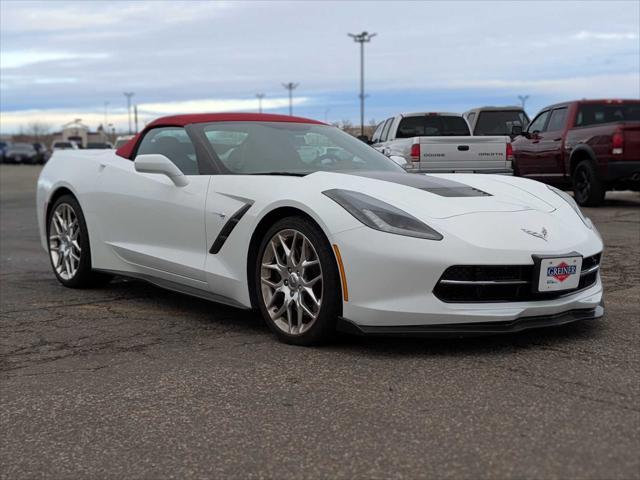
x: 69, y: 249
x: 297, y: 282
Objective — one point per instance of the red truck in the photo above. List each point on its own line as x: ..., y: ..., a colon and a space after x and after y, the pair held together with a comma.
x: 592, y: 144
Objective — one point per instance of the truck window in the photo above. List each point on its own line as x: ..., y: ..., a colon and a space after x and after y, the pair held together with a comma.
x: 385, y: 129
x: 594, y: 114
x: 539, y: 122
x: 557, y: 120
x: 433, y: 126
x: 471, y: 117
x: 378, y: 133
x: 499, y: 122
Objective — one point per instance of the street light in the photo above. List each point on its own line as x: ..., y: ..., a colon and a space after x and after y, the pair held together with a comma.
x: 362, y: 38
x: 260, y: 96
x: 106, y: 115
x: 523, y: 99
x: 129, y: 95
x: 291, y: 87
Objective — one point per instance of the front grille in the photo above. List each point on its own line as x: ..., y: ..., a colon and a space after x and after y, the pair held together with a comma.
x: 503, y: 283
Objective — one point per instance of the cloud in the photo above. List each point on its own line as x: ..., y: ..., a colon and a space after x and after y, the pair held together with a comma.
x: 22, y: 58
x: 585, y: 35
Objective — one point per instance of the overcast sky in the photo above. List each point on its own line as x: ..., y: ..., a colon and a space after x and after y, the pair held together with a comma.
x: 64, y: 60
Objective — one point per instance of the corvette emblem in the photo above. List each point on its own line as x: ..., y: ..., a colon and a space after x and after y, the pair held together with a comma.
x: 541, y: 235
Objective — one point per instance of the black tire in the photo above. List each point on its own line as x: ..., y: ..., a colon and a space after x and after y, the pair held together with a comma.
x: 323, y: 328
x: 84, y: 276
x: 588, y: 188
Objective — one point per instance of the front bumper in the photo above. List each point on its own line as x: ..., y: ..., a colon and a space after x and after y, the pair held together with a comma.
x: 473, y: 329
x: 391, y: 278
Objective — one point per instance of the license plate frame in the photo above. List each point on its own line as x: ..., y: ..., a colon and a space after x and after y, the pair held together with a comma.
x: 564, y: 278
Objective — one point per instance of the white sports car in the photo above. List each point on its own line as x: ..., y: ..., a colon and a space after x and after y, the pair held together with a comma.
x: 318, y: 231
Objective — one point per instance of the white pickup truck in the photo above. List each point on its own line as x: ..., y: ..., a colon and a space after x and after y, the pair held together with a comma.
x: 441, y: 142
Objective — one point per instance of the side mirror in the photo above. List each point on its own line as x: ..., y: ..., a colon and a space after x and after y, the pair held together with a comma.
x: 365, y: 139
x: 157, y: 163
x: 398, y: 159
x: 516, y: 130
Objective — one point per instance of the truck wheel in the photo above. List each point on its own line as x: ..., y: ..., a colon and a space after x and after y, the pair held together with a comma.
x: 587, y: 185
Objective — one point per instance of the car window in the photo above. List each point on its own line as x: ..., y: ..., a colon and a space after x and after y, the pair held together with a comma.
x: 263, y: 147
x: 499, y: 122
x: 385, y: 129
x: 539, y: 122
x: 175, y: 144
x: 378, y: 133
x: 432, y: 126
x: 557, y: 120
x: 594, y: 114
x: 471, y: 117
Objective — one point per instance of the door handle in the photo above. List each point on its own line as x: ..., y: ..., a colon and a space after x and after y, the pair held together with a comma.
x: 557, y: 139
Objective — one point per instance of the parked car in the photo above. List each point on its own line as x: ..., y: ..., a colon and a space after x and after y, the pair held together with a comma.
x: 593, y: 145
x: 224, y: 207
x: 441, y: 142
x: 3, y: 148
x: 21, y: 153
x: 41, y: 151
x: 497, y: 120
x: 122, y: 139
x: 64, y: 145
x: 98, y: 146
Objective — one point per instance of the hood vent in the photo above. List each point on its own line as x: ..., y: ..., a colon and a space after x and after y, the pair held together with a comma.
x: 435, y: 185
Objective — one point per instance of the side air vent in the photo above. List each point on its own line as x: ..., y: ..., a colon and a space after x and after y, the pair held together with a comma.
x: 228, y: 228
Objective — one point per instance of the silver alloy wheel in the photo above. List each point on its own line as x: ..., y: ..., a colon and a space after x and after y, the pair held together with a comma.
x: 291, y: 281
x: 64, y: 246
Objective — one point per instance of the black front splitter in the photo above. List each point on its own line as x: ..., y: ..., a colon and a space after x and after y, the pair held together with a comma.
x: 472, y: 329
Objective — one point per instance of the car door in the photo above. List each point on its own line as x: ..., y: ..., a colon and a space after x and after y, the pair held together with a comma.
x: 527, y: 147
x: 154, y: 227
x: 548, y: 161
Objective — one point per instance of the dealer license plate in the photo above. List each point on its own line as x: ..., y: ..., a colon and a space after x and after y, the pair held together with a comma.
x: 562, y: 273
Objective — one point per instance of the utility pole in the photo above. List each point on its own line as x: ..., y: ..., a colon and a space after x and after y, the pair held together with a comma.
x: 106, y: 115
x: 362, y: 38
x: 260, y: 96
x: 135, y: 116
x: 523, y: 99
x: 291, y: 87
x: 129, y: 95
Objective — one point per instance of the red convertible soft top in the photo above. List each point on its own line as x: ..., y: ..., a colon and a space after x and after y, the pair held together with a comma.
x: 181, y: 120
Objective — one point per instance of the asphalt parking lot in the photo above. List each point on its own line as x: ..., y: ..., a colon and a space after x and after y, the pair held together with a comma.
x: 133, y: 381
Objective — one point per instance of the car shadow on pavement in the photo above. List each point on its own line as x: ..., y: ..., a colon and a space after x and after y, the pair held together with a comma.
x: 207, y: 313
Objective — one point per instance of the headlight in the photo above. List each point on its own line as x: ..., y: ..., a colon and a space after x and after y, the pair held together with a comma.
x: 572, y: 203
x: 381, y: 216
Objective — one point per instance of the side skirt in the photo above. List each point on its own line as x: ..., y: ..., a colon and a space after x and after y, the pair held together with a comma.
x: 179, y: 288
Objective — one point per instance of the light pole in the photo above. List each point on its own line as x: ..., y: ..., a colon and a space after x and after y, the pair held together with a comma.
x: 291, y: 87
x: 129, y: 95
x: 260, y: 96
x: 523, y: 99
x: 106, y: 115
x: 362, y: 38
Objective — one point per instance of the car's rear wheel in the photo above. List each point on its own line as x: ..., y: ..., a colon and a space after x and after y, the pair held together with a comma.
x: 297, y: 282
x: 69, y: 249
x: 588, y: 189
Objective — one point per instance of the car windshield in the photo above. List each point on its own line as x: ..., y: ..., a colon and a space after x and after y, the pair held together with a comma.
x: 291, y: 148
x: 499, y: 122
x: 432, y: 126
x: 22, y: 147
